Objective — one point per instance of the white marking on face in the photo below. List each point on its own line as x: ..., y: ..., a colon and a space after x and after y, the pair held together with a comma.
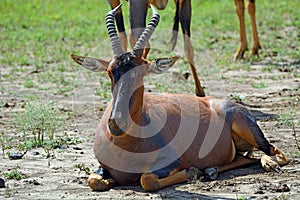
x: 132, y: 74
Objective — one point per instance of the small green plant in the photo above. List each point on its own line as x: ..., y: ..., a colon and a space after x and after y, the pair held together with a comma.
x: 14, y: 174
x: 237, y: 97
x: 82, y: 168
x: 5, y: 142
x: 28, y: 83
x: 259, y: 85
x: 289, y: 120
x: 39, y: 119
x: 38, y: 123
x: 2, y: 104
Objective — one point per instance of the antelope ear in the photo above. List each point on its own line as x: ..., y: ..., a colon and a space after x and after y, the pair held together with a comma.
x: 160, y: 65
x: 92, y: 64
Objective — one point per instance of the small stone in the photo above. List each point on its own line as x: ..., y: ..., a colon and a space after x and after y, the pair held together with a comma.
x: 2, y: 183
x: 16, y: 156
x: 35, y: 153
x: 282, y: 188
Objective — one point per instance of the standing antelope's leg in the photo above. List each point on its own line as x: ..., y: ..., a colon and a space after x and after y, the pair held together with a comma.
x: 101, y: 180
x: 146, y: 50
x: 185, y: 21
x: 240, y: 11
x: 138, y: 14
x: 120, y: 24
x: 255, y: 41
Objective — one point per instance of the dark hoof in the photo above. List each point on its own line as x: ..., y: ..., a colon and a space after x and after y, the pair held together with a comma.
x: 211, y: 173
x: 193, y: 173
x: 276, y: 169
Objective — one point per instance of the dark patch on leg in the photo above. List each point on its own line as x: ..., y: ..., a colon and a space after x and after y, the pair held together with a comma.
x: 164, y: 172
x: 247, y: 120
x: 103, y: 172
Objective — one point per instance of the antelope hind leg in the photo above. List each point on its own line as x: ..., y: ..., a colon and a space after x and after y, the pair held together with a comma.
x: 245, y: 127
x: 274, y: 161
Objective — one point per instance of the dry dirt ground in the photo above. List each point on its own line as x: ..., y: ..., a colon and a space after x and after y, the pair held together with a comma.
x: 63, y: 181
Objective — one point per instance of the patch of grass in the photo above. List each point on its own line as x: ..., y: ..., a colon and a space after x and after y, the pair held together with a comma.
x: 268, y: 68
x: 5, y: 142
x: 259, y: 85
x: 39, y: 119
x: 39, y: 123
x: 82, y: 168
x: 237, y: 97
x: 14, y: 174
x: 2, y: 103
x: 290, y: 121
x: 29, y: 83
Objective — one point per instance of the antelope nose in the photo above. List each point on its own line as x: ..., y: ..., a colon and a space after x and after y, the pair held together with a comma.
x: 116, y: 128
x: 112, y: 123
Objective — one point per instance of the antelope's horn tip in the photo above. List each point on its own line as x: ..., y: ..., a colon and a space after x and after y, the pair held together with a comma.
x: 153, y: 9
x: 116, y: 9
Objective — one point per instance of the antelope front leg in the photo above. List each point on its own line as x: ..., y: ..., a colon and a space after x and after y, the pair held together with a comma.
x: 255, y: 41
x: 150, y: 181
x: 97, y: 182
x: 240, y: 11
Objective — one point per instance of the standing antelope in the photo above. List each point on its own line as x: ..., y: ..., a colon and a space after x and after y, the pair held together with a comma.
x: 160, y: 140
x: 138, y: 12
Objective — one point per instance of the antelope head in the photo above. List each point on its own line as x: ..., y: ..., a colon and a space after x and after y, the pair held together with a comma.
x: 126, y: 71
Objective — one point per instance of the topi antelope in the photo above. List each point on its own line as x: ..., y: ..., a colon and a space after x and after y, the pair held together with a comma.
x: 161, y: 140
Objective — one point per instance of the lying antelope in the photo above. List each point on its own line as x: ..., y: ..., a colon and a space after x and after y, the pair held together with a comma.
x: 161, y: 140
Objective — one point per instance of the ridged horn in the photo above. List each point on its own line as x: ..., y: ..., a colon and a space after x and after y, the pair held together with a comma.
x: 112, y: 32
x: 145, y: 36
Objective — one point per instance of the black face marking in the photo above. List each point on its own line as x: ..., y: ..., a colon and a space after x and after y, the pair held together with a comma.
x: 123, y: 64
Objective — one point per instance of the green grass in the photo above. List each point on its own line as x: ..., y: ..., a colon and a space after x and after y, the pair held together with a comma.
x: 259, y: 85
x: 37, y: 38
x: 14, y: 174
x: 35, y: 32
